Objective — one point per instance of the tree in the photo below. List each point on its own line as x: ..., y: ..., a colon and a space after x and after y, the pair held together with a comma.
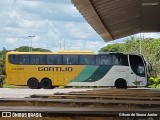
x: 26, y: 49
x: 154, y: 81
x: 111, y: 48
x: 150, y: 49
x: 2, y: 60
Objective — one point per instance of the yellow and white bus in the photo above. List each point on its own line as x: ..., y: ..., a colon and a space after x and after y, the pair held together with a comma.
x: 69, y: 68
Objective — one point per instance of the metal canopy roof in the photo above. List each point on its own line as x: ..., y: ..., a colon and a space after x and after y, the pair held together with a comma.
x: 113, y: 19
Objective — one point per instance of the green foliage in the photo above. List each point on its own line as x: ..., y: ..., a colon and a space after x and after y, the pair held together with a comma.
x: 22, y: 49
x: 154, y: 82
x: 150, y: 50
x: 2, y: 60
x: 8, y: 86
x: 26, y: 49
x: 151, y: 80
x: 111, y: 48
x: 158, y: 86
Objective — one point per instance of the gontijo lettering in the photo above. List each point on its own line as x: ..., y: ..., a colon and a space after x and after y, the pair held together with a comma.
x: 65, y: 69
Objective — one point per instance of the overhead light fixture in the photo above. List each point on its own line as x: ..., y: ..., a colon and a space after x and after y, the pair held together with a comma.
x: 150, y: 4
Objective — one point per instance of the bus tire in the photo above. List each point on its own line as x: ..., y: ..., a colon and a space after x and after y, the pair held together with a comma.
x: 33, y: 83
x: 46, y: 83
x: 120, y: 83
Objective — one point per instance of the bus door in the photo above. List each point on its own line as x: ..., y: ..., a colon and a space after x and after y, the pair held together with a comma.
x: 132, y: 78
x: 137, y: 70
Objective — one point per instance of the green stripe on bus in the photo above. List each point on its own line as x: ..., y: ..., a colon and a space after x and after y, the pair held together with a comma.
x: 101, y: 71
x: 85, y: 73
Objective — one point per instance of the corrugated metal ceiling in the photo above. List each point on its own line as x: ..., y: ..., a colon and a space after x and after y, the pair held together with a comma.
x: 113, y: 19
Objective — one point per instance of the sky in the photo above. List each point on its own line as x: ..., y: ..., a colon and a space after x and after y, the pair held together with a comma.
x: 56, y: 25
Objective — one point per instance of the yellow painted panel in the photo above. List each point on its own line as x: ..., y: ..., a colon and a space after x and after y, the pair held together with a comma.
x: 59, y: 74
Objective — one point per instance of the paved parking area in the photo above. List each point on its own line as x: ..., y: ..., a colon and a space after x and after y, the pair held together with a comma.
x: 26, y: 92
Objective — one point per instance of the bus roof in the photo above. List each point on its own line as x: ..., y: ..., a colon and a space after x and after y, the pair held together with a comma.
x: 72, y: 52
x: 59, y: 52
x: 120, y: 53
x: 76, y: 51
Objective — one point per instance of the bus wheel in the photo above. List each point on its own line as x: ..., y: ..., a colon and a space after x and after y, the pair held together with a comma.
x: 120, y: 83
x: 46, y: 83
x: 33, y: 83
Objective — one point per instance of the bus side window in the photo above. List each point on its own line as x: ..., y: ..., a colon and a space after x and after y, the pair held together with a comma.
x: 120, y: 60
x: 54, y: 59
x: 14, y: 59
x: 70, y: 59
x: 124, y: 60
x: 115, y: 60
x: 37, y: 59
x: 103, y: 60
x: 87, y: 60
x: 106, y: 60
x: 24, y: 59
x: 82, y: 60
x: 92, y: 60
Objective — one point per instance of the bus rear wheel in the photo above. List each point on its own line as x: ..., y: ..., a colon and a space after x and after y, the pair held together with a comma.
x: 120, y: 83
x: 33, y: 83
x: 46, y: 83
